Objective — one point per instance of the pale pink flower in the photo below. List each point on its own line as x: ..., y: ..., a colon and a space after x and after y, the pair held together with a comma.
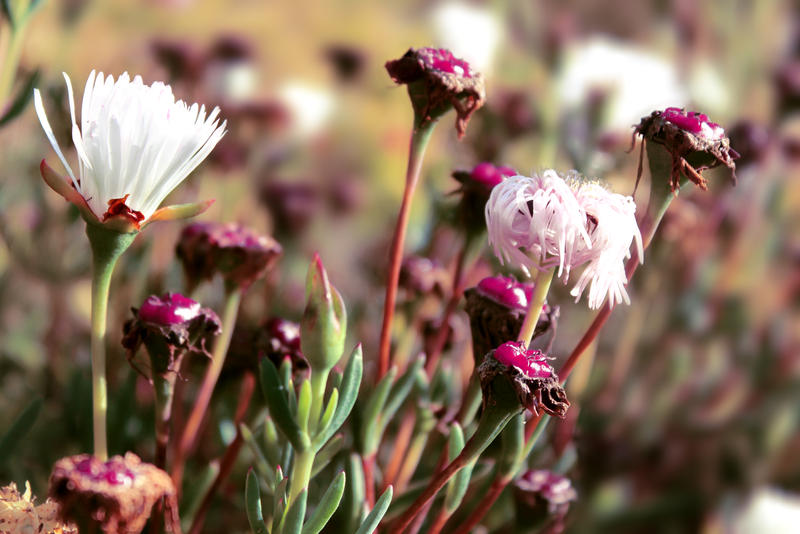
x: 611, y: 224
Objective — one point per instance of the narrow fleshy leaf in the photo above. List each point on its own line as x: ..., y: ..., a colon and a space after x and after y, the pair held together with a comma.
x: 348, y: 392
x: 353, y: 503
x: 513, y: 441
x: 400, y: 391
x: 327, y: 453
x: 179, y: 211
x: 276, y: 394
x: 327, y: 506
x: 293, y: 523
x: 375, y: 404
x: 271, y: 442
x: 252, y: 496
x: 330, y: 410
x: 279, y: 502
x: 304, y: 405
x: 21, y: 99
x: 376, y: 514
x: 458, y: 485
x: 18, y: 429
x: 261, y: 464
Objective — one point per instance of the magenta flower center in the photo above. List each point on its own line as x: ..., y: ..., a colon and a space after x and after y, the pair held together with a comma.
x: 170, y: 309
x: 487, y: 174
x: 533, y: 363
x: 286, y: 333
x: 694, y: 122
x: 506, y: 291
x: 111, y: 472
x: 443, y: 60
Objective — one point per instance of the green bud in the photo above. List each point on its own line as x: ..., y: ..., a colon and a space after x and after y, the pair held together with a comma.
x: 324, y: 323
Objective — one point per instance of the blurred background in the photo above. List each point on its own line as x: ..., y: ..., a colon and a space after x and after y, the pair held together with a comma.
x: 686, y: 413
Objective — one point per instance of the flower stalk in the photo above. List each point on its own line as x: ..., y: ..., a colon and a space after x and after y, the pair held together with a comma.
x: 543, y: 280
x: 107, y: 246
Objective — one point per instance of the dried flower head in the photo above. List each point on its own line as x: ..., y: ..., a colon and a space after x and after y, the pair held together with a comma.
x: 135, y: 145
x: 546, y: 221
x: 533, y: 379
x: 693, y: 141
x: 116, y: 495
x: 240, y: 255
x: 544, y: 497
x: 496, y: 309
x: 437, y: 81
x: 276, y: 339
x: 20, y: 515
x: 170, y: 326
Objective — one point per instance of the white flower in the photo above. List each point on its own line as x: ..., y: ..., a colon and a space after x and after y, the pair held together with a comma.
x: 135, y: 144
x: 310, y: 107
x: 546, y: 221
x: 769, y: 510
x: 611, y: 223
x: 539, y: 214
x: 469, y: 32
x: 635, y: 81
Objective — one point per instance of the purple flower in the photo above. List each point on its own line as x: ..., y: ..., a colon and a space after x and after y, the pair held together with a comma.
x: 694, y: 142
x: 169, y: 310
x: 527, y: 372
x: 438, y: 81
x: 240, y: 255
x: 507, y: 291
x: 543, y: 497
x: 116, y: 496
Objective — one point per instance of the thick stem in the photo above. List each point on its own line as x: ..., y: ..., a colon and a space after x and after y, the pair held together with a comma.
x: 163, y: 387
x: 485, y: 504
x: 419, y: 141
x: 107, y: 247
x: 301, y: 474
x: 233, y: 297
x: 319, y: 380
x: 543, y: 280
x: 492, y: 422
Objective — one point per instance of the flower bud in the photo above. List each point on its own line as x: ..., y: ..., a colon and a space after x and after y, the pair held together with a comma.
x: 240, y: 255
x: 116, y: 496
x: 324, y: 323
x: 169, y: 326
x: 528, y: 374
x: 497, y: 308
x: 542, y: 498
x: 438, y: 81
x: 693, y: 141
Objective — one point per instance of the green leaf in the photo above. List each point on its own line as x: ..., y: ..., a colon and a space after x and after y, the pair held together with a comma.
x: 457, y: 487
x: 195, y: 491
x: 18, y: 429
x: 8, y: 12
x: 353, y: 504
x: 276, y: 394
x: 262, y: 465
x: 348, y: 392
x: 374, y: 517
x: 375, y: 403
x: 21, y: 99
x: 327, y: 506
x: 271, y: 442
x: 293, y: 523
x: 397, y: 396
x: 252, y: 496
x: 513, y: 441
x: 285, y: 372
x: 279, y: 502
x: 326, y: 454
x: 330, y: 409
x: 304, y: 405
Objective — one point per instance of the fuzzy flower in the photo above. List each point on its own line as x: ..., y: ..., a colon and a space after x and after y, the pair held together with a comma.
x: 135, y: 144
x: 546, y: 221
x: 611, y: 224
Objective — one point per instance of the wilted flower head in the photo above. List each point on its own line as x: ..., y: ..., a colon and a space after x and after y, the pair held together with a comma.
x: 543, y: 497
x: 693, y: 141
x: 116, y: 495
x: 437, y: 81
x: 240, y: 255
x: 136, y: 144
x: 170, y: 326
x: 533, y: 380
x: 496, y: 309
x: 20, y: 515
x: 546, y: 221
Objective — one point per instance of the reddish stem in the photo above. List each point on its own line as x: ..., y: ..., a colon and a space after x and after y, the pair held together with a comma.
x: 419, y: 140
x: 497, y: 487
x: 399, y: 449
x: 231, y: 453
x: 368, y: 465
x: 439, y: 521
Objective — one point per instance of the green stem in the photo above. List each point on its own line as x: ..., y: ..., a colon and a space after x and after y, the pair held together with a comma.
x: 319, y: 381
x: 163, y: 387
x: 543, y: 280
x: 301, y: 474
x: 419, y: 142
x: 107, y: 246
x: 233, y: 297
